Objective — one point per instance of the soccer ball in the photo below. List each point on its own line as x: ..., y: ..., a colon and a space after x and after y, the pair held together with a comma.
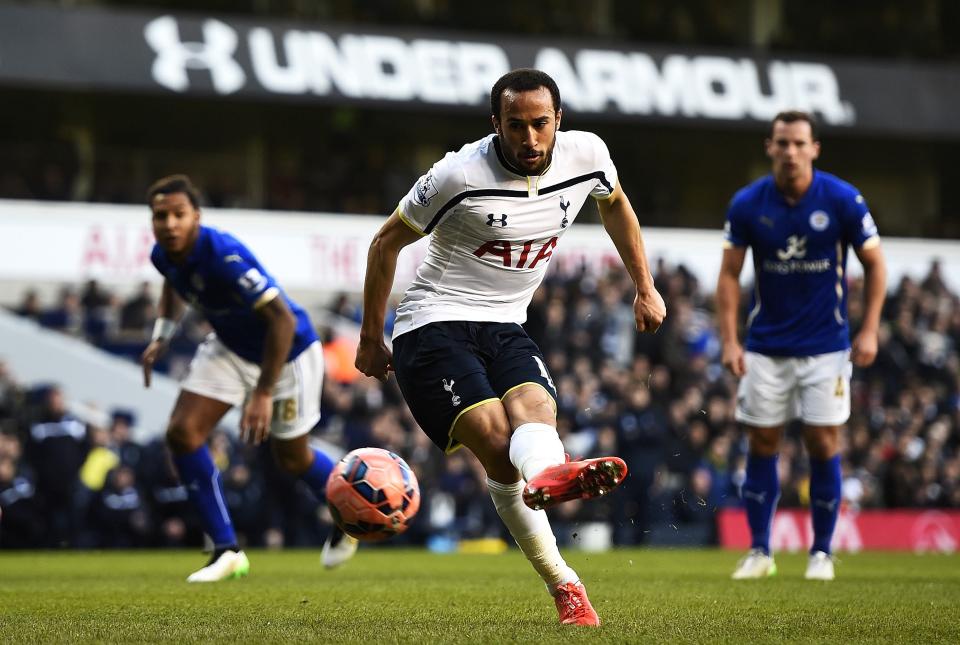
x: 372, y: 494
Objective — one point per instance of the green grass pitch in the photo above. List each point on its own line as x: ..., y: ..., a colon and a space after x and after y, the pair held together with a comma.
x: 392, y: 595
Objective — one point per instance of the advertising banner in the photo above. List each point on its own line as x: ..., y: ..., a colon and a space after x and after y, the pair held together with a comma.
x: 240, y: 57
x: 920, y: 531
x: 53, y: 242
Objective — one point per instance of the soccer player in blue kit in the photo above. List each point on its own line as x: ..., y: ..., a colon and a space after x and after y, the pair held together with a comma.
x: 263, y: 355
x: 799, y: 222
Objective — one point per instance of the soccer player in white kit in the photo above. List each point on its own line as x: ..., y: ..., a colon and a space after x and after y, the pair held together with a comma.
x: 495, y: 211
x: 799, y: 223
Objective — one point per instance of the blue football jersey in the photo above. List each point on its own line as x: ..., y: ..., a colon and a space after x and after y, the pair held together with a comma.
x: 224, y: 281
x: 799, y: 304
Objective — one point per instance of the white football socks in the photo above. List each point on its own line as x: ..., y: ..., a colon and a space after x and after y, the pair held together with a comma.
x: 535, y: 446
x: 531, y: 530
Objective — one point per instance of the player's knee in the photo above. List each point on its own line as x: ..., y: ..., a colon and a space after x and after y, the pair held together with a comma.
x: 822, y: 448
x: 764, y: 444
x: 531, y: 403
x: 493, y: 450
x: 291, y: 462
x: 182, y: 437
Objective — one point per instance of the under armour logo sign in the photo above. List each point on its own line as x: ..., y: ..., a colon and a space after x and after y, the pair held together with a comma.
x: 175, y: 57
x: 454, y: 399
x: 564, y: 206
x: 796, y: 248
x: 491, y: 220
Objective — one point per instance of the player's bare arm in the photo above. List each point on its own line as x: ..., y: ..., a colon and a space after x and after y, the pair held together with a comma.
x: 169, y: 309
x: 620, y: 222
x: 281, y: 325
x: 728, y: 304
x: 373, y: 355
x: 864, y: 346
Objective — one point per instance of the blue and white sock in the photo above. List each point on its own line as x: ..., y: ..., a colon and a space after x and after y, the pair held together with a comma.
x: 825, y: 490
x: 205, y: 488
x: 316, y: 475
x: 760, y: 493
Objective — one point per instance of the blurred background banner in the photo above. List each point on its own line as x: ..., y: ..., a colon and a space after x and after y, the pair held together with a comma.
x: 315, y: 255
x: 270, y: 59
x: 920, y: 531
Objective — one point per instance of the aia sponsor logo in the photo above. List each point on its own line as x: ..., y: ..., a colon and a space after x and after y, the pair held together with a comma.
x: 516, y: 254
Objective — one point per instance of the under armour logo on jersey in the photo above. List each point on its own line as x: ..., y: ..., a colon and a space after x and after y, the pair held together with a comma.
x: 454, y: 398
x: 491, y: 219
x: 564, y: 206
x: 175, y: 57
x: 796, y: 248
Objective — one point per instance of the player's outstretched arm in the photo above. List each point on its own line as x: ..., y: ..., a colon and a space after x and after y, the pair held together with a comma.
x: 281, y: 326
x: 864, y: 346
x: 169, y: 310
x: 373, y: 356
x: 620, y: 222
x: 728, y: 304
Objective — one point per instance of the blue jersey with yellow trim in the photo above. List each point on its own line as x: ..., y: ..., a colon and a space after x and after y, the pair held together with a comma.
x: 799, y: 304
x: 223, y: 280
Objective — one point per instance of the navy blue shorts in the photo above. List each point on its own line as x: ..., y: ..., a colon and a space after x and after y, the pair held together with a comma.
x: 447, y: 368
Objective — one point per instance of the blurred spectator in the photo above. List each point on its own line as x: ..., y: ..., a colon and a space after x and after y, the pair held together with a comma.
x: 56, y: 449
x: 29, y: 307
x: 138, y: 312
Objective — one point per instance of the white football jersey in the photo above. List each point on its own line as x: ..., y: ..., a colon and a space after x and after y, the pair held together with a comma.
x: 492, y: 230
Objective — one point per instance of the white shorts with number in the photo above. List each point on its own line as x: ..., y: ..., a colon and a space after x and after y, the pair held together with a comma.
x: 777, y: 389
x: 218, y: 373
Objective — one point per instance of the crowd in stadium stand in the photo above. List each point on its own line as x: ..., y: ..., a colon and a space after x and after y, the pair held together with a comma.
x: 661, y: 401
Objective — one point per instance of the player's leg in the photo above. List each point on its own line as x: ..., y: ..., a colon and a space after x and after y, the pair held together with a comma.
x: 519, y: 375
x: 296, y: 410
x: 823, y: 446
x: 443, y: 381
x: 194, y: 417
x: 536, y: 450
x: 825, y: 407
x: 486, y: 431
x: 313, y: 466
x: 764, y: 403
x: 213, y: 385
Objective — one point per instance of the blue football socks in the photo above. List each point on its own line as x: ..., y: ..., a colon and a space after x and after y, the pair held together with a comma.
x: 316, y: 475
x: 825, y: 482
x: 205, y: 488
x: 760, y: 493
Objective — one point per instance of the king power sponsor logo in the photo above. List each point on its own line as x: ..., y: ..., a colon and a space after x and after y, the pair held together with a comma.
x: 453, y: 72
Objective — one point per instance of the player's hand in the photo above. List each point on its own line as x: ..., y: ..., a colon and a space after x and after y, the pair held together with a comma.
x: 374, y: 359
x: 864, y: 348
x: 150, y: 355
x: 649, y: 310
x: 255, y: 423
x: 734, y: 359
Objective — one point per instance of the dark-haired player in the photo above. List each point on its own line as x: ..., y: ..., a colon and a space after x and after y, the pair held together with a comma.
x: 263, y: 355
x: 799, y: 222
x: 494, y: 212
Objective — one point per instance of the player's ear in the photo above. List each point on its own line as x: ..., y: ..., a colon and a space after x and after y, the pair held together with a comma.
x: 559, y: 116
x: 816, y: 150
x: 496, y: 123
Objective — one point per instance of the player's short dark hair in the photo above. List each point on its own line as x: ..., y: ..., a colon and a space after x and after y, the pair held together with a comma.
x: 523, y: 80
x: 174, y: 184
x: 792, y: 116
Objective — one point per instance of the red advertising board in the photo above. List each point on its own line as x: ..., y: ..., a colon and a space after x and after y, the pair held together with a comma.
x: 921, y: 531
